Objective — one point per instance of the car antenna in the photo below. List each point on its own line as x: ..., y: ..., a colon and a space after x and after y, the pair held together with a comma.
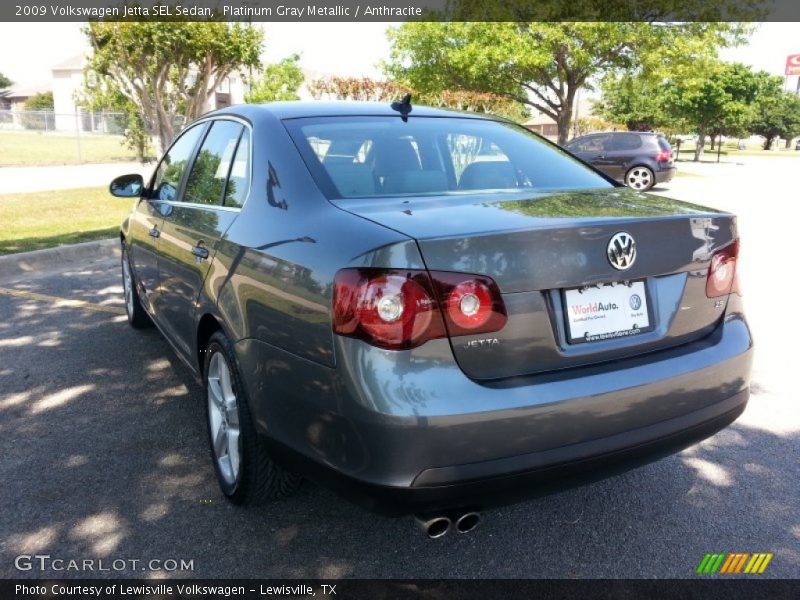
x: 403, y: 107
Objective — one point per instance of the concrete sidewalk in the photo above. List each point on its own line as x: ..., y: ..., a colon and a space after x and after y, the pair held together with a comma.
x: 63, y: 177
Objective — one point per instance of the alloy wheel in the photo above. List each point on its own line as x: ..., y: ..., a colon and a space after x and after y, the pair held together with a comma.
x: 639, y: 178
x: 223, y: 418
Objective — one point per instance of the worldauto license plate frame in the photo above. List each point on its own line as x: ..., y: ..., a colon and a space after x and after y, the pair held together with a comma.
x: 608, y: 311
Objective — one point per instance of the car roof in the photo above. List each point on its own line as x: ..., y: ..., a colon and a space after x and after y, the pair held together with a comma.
x: 621, y: 132
x: 300, y: 109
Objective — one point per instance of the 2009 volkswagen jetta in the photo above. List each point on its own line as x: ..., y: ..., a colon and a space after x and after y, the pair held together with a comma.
x: 431, y: 312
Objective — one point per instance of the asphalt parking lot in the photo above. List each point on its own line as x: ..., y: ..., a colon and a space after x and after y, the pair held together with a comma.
x: 104, y: 454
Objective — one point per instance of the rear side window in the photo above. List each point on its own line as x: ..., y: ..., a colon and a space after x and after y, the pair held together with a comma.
x: 209, y: 174
x: 627, y: 141
x: 239, y: 181
x: 172, y: 167
x: 363, y: 157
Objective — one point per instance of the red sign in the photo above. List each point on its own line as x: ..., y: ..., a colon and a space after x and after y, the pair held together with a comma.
x: 793, y: 64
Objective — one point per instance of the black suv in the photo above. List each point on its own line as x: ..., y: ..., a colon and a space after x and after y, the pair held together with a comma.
x: 639, y: 160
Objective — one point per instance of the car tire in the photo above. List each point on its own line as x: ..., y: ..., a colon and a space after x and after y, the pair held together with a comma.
x: 640, y: 178
x: 246, y: 473
x: 137, y: 315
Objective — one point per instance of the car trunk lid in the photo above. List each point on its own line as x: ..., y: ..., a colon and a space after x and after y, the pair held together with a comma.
x: 539, y: 247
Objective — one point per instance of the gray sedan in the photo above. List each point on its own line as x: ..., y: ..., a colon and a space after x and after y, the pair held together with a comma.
x: 429, y: 312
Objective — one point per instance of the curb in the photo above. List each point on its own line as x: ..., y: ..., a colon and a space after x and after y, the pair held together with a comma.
x: 61, y: 257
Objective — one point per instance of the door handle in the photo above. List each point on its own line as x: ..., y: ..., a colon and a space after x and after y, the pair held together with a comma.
x: 200, y: 251
x: 154, y: 232
x: 600, y: 156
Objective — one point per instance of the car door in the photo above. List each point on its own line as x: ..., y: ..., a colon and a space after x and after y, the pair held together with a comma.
x: 205, y: 208
x: 592, y: 149
x: 625, y: 148
x: 148, y: 217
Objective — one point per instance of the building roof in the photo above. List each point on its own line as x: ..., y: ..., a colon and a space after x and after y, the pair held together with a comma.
x: 25, y: 91
x: 74, y: 63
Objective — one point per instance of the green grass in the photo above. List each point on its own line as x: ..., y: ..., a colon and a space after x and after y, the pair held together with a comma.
x: 31, y: 148
x: 46, y: 219
x: 731, y: 150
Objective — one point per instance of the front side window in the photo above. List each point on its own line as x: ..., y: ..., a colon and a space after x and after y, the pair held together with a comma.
x: 592, y: 143
x: 170, y: 171
x: 209, y: 174
x: 358, y: 157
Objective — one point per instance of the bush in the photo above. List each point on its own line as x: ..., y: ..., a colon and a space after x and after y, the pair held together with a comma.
x: 41, y: 112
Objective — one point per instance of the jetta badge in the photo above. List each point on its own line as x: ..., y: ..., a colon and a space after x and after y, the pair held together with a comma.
x: 621, y: 251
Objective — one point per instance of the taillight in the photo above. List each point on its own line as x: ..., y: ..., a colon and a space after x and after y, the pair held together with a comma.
x: 722, y: 279
x: 471, y: 303
x: 664, y: 156
x: 397, y: 310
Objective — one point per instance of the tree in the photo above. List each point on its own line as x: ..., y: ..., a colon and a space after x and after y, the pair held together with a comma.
x: 5, y: 82
x: 279, y: 82
x: 776, y: 114
x: 366, y: 89
x: 718, y: 103
x: 101, y: 95
x: 169, y: 70
x: 543, y: 64
x: 357, y: 88
x: 636, y: 101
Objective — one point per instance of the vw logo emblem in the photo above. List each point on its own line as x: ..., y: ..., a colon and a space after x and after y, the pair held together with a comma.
x: 621, y: 251
x: 635, y: 302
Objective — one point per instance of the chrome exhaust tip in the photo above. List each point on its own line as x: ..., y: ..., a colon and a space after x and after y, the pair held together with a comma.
x: 434, y: 527
x: 467, y: 522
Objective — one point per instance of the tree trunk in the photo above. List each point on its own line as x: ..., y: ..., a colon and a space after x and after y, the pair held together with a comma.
x: 788, y: 144
x: 564, y: 123
x: 698, y: 150
x: 768, y: 143
x: 713, y: 138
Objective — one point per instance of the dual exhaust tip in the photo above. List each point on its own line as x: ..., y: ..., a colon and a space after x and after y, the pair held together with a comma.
x: 439, y: 525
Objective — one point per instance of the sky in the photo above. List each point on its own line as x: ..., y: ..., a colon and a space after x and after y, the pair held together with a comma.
x: 29, y: 50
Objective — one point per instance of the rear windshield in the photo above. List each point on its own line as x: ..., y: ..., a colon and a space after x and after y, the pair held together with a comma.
x: 364, y: 157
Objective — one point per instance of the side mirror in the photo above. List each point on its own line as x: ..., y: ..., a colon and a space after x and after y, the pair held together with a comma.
x: 127, y: 186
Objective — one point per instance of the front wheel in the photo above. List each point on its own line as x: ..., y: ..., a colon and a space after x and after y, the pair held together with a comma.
x: 245, y: 472
x: 640, y: 178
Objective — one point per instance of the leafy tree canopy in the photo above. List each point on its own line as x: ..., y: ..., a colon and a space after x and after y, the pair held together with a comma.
x: 169, y: 70
x: 5, y: 82
x: 542, y: 65
x: 280, y: 81
x: 776, y: 113
x: 720, y: 101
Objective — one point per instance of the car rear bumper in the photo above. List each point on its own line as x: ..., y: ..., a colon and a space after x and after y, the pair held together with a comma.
x: 408, y: 432
x: 666, y: 174
x: 483, y: 485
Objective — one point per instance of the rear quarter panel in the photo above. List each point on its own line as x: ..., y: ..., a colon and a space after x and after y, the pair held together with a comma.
x: 273, y: 272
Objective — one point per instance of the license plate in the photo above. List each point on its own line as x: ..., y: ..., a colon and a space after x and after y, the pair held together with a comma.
x: 608, y: 311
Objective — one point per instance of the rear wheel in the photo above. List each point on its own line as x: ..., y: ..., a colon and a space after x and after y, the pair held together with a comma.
x: 137, y: 316
x: 640, y: 178
x: 245, y: 472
